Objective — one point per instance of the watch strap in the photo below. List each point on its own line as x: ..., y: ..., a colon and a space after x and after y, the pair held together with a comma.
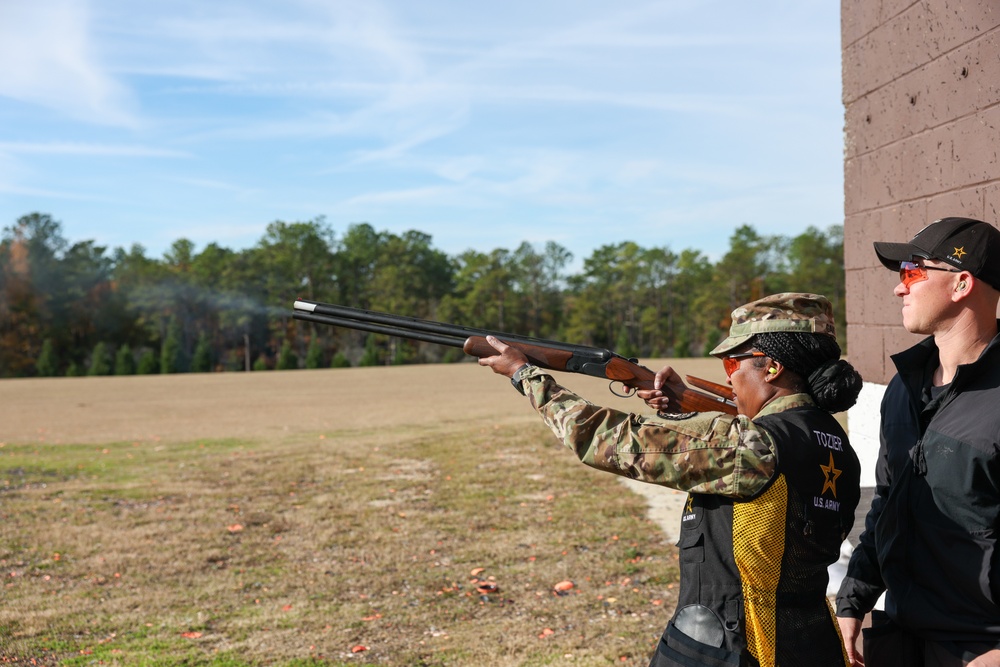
x: 517, y: 379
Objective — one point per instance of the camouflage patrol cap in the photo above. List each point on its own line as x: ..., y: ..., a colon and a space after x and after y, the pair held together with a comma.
x: 788, y: 311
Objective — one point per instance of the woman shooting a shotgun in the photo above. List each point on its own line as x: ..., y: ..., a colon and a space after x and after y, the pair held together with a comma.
x: 772, y: 490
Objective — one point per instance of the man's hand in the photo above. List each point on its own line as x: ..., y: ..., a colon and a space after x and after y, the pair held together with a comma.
x: 505, y: 363
x: 850, y: 628
x: 654, y: 397
x: 991, y: 659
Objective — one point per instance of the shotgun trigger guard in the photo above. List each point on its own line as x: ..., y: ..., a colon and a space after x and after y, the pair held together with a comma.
x: 626, y: 391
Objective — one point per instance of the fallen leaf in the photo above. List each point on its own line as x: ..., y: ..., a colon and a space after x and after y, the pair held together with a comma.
x: 563, y: 586
x: 546, y: 632
x: 487, y: 588
x: 235, y: 528
x: 190, y: 635
x: 359, y: 648
x: 477, y: 570
x: 287, y: 607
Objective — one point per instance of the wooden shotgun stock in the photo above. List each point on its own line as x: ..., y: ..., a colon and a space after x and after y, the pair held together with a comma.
x: 720, y: 390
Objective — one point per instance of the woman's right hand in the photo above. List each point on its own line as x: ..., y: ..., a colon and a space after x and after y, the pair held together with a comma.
x: 654, y: 397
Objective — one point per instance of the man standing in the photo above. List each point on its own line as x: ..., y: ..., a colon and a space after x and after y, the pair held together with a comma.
x: 931, y: 536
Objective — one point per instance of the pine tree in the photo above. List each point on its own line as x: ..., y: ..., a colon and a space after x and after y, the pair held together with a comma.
x: 100, y: 361
x: 340, y: 360
x: 370, y: 357
x: 400, y: 355
x: 124, y: 361
x: 148, y: 364
x: 47, y: 363
x: 287, y: 359
x: 202, y: 360
x: 314, y: 355
x: 623, y: 345
x: 170, y: 353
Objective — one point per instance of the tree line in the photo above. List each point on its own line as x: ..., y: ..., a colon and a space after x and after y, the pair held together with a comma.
x: 80, y: 309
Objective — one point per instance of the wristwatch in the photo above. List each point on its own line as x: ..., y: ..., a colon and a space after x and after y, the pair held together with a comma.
x: 518, y: 377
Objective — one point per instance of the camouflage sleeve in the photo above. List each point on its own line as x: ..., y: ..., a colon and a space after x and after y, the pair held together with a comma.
x: 708, y: 452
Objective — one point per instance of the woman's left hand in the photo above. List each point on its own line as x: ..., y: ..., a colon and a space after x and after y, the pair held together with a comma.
x: 507, y: 361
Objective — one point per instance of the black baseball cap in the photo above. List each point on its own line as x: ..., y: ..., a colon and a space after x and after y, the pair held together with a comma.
x: 967, y: 244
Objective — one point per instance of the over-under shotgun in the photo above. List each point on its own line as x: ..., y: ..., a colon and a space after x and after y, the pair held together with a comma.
x: 549, y: 354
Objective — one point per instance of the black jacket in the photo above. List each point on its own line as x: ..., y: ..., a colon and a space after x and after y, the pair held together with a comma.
x: 930, y: 537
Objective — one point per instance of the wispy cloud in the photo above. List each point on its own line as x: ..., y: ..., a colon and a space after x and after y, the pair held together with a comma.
x: 93, y: 150
x: 408, y: 196
x: 58, y: 195
x: 50, y: 60
x: 220, y: 186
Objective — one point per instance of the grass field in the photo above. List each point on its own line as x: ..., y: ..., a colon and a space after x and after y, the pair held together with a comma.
x: 415, y: 515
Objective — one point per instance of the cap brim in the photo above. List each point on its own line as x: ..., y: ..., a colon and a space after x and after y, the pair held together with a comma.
x: 891, y: 254
x: 730, y: 344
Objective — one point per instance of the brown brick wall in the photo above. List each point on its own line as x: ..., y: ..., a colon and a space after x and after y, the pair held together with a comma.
x: 921, y: 93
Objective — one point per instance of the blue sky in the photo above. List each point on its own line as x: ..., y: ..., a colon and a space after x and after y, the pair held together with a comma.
x: 667, y: 123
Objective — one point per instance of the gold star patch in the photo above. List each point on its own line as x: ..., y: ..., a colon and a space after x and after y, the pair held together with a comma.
x: 960, y: 252
x: 830, y: 474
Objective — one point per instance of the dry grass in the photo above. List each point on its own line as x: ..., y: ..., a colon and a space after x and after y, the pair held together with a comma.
x: 351, y: 513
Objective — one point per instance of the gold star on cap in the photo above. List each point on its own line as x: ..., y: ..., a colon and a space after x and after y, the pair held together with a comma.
x: 960, y: 252
x: 831, y: 474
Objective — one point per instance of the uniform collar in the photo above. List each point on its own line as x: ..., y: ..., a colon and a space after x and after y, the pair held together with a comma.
x: 783, y: 403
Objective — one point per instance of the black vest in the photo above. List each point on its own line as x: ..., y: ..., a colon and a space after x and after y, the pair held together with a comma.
x: 754, y: 570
